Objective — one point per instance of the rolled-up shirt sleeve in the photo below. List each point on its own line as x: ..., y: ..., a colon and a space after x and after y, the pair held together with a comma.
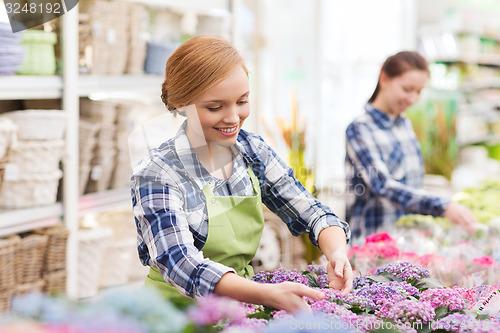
x: 363, y: 152
x: 164, y: 229
x: 285, y: 196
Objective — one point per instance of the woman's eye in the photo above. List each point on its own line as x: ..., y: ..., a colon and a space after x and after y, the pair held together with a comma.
x: 217, y: 108
x: 243, y: 102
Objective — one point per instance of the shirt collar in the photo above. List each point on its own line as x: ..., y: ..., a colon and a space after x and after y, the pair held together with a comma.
x: 383, y: 119
x: 192, y: 164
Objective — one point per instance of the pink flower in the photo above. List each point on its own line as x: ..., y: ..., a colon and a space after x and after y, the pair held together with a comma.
x: 210, y: 309
x: 485, y: 262
x: 381, y: 237
x: 389, y: 251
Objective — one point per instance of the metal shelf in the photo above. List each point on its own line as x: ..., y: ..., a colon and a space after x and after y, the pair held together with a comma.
x: 21, y: 220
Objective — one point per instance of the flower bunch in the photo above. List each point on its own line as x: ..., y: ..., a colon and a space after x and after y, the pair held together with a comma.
x: 281, y: 275
x: 485, y: 262
x: 212, y: 309
x: 447, y: 297
x: 405, y: 311
x: 404, y: 271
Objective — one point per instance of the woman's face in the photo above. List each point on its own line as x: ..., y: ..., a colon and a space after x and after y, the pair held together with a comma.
x: 401, y: 92
x: 221, y: 110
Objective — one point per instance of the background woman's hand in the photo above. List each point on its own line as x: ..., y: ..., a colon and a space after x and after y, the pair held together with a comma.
x: 340, y: 272
x: 462, y: 216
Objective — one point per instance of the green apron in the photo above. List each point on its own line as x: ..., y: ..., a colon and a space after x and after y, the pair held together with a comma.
x: 235, y: 225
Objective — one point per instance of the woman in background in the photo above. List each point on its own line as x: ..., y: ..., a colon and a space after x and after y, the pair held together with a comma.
x: 384, y: 165
x: 198, y: 197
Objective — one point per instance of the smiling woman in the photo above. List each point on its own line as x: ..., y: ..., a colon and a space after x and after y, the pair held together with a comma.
x: 384, y: 167
x: 198, y: 197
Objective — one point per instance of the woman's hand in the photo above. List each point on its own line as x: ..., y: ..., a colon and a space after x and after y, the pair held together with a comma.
x: 340, y: 272
x: 289, y: 296
x: 462, y: 216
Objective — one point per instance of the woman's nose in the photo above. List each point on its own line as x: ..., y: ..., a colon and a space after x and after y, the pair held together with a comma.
x: 231, y: 116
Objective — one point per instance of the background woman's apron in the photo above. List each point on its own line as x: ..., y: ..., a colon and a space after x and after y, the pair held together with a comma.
x: 235, y: 225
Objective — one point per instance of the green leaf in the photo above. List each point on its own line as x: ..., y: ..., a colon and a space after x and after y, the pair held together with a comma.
x: 441, y: 312
x: 427, y: 283
x: 313, y: 281
x: 264, y: 314
x: 379, y: 278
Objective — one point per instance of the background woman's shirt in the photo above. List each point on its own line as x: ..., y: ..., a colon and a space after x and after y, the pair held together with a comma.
x: 171, y: 215
x: 384, y: 173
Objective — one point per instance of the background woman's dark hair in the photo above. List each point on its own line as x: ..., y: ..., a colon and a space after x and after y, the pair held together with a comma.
x: 398, y: 64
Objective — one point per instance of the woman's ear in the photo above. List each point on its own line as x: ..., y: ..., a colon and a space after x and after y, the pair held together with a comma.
x: 383, y: 79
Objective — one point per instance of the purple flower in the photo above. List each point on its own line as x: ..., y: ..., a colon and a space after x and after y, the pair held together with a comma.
x: 388, y: 290
x: 465, y: 323
x: 281, y: 314
x: 405, y: 271
x: 211, y: 309
x: 331, y: 308
x: 443, y: 297
x: 405, y: 311
x: 247, y: 324
x: 281, y: 275
x: 316, y: 269
x: 361, y: 281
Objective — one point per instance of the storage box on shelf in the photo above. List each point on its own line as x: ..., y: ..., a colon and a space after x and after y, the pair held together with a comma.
x: 34, y: 172
x: 111, y: 38
x: 39, y: 52
x: 91, y: 244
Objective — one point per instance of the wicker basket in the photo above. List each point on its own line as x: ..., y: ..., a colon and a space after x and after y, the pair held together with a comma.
x: 30, y: 253
x: 36, y: 286
x: 30, y: 190
x: 116, y: 262
x: 103, y: 112
x: 91, y: 243
x: 5, y: 300
x: 37, y: 156
x: 38, y: 124
x: 8, y: 132
x: 55, y: 282
x: 57, y: 243
x: 8, y: 248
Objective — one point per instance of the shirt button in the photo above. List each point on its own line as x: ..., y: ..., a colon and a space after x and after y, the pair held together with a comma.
x: 213, y: 200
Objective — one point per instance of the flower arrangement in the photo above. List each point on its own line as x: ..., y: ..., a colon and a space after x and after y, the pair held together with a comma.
x: 400, y: 297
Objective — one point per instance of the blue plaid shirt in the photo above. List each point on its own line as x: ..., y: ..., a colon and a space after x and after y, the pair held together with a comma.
x: 384, y: 173
x: 171, y: 215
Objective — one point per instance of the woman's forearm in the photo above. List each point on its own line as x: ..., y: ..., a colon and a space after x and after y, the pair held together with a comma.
x: 332, y: 240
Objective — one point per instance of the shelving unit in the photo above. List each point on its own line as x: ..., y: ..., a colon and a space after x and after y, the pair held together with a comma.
x: 69, y: 87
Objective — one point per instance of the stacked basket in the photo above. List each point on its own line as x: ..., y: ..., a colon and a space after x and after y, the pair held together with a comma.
x: 108, y: 31
x: 120, y: 257
x: 103, y: 158
x: 54, y: 259
x: 92, y: 243
x: 87, y: 142
x: 30, y: 252
x: 124, y: 126
x: 7, y: 271
x: 34, y: 160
